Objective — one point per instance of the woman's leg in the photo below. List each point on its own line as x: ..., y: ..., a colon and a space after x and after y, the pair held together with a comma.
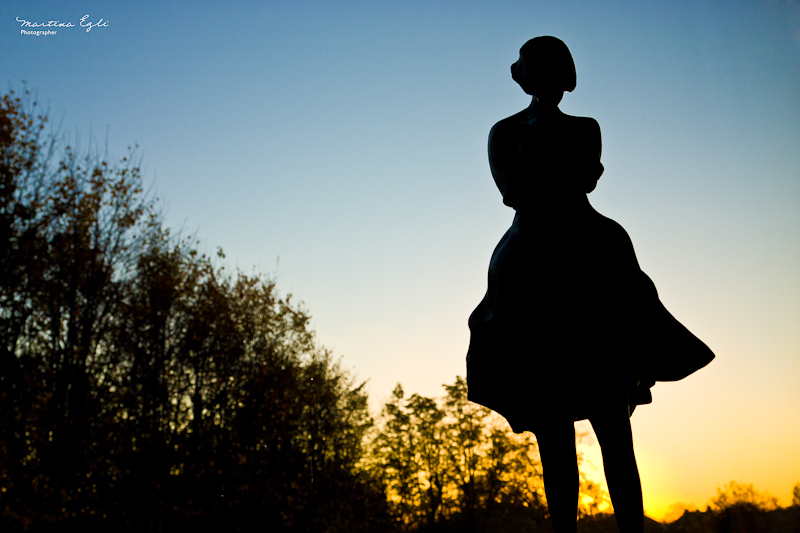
x: 613, y: 430
x: 560, y: 471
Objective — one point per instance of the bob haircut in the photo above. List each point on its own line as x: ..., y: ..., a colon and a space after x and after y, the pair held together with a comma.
x: 547, y: 58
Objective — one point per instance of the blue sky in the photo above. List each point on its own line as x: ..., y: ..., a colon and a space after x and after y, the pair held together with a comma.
x: 342, y: 147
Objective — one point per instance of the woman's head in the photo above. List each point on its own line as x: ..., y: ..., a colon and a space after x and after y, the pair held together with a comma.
x: 545, y: 68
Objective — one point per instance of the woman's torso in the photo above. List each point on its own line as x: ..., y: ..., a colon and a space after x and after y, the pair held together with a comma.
x: 545, y: 163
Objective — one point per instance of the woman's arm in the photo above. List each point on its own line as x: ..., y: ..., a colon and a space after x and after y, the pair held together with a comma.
x: 530, y: 161
x: 506, y: 161
x: 591, y: 168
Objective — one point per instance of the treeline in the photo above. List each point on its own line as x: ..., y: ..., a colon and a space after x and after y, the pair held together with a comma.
x: 141, y: 386
x: 145, y: 388
x: 452, y: 465
x: 740, y: 508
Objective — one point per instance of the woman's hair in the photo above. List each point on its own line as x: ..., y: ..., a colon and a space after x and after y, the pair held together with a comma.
x: 546, y: 58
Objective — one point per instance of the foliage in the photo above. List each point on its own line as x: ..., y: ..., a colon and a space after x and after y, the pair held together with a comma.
x: 143, y: 386
x: 742, y: 494
x: 452, y: 465
x: 740, y: 508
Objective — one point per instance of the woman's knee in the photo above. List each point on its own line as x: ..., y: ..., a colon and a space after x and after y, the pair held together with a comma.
x: 612, y: 427
x: 557, y: 440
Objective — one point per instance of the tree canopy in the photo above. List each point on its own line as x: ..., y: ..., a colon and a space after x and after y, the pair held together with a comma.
x: 141, y: 384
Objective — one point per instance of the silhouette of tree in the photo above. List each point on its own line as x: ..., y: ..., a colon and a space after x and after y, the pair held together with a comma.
x: 742, y: 494
x: 452, y: 465
x: 68, y: 230
x: 141, y: 385
x: 740, y: 508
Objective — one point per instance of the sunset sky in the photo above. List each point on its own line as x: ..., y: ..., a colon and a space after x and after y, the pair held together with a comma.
x: 341, y: 146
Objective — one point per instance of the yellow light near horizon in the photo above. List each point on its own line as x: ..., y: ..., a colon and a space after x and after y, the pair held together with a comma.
x: 675, y: 511
x: 661, y: 492
x: 660, y: 503
x: 659, y: 489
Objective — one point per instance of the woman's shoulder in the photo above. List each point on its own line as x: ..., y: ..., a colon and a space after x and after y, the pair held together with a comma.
x: 512, y: 132
x: 522, y: 119
x: 510, y: 125
x: 587, y: 124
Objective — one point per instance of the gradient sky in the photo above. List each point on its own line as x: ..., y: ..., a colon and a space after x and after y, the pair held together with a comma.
x: 342, y: 147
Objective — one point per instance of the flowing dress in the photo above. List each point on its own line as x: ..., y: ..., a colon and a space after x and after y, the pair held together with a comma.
x: 569, y: 320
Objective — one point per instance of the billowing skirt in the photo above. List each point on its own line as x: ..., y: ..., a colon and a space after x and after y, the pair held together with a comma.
x: 569, y: 320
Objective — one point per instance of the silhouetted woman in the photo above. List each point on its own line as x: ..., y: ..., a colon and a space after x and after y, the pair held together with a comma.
x: 570, y: 327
